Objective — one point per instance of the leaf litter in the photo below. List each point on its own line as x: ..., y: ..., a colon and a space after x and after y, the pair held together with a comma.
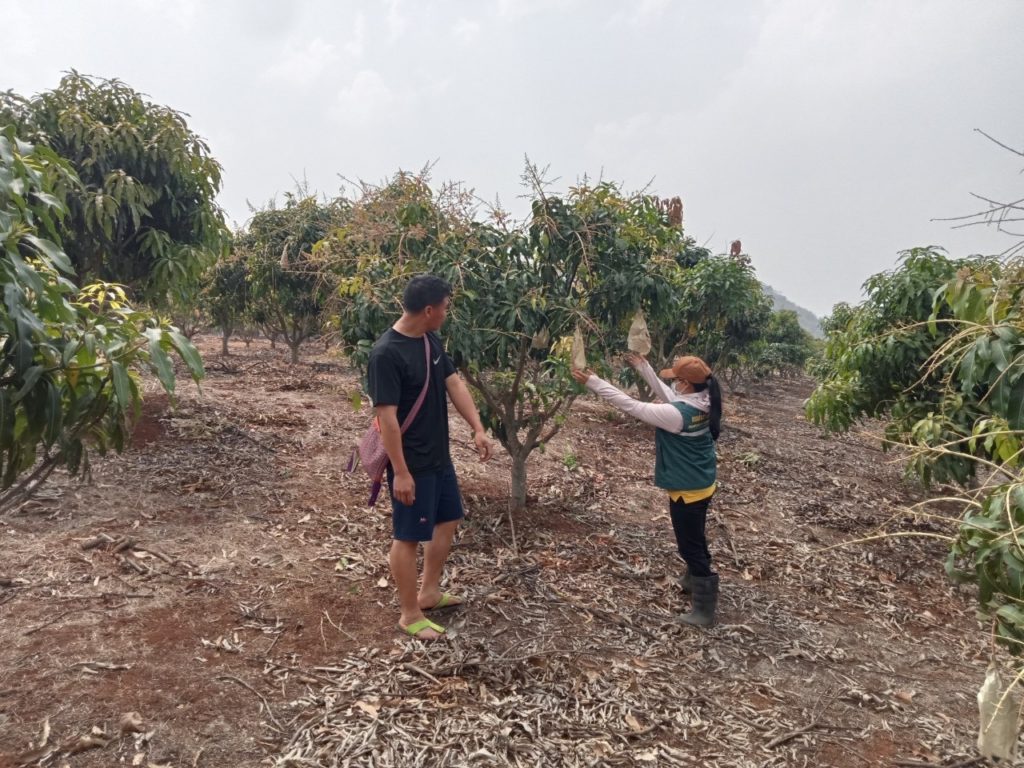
x: 566, y: 653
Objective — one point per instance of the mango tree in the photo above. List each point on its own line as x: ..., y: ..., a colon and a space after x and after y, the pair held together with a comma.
x: 287, y: 288
x: 722, y: 312
x: 68, y: 361
x: 144, y: 214
x: 985, y: 357
x: 783, y: 349
x: 937, y: 350
x: 226, y: 295
x: 586, y: 261
x: 876, y: 360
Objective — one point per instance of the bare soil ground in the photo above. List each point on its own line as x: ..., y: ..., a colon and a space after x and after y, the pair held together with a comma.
x: 224, y: 582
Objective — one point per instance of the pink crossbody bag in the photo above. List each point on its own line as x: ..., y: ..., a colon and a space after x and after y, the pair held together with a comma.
x: 369, y: 451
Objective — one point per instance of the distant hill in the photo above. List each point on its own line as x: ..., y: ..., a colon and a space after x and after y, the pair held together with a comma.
x: 807, y: 319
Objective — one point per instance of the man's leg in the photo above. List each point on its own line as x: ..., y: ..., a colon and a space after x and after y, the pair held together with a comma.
x: 402, y: 559
x: 410, y: 527
x: 435, y: 554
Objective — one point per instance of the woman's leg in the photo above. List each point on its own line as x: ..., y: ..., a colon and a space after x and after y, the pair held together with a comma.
x: 688, y: 521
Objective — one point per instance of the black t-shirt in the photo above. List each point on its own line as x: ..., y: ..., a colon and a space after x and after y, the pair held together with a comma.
x: 396, y: 373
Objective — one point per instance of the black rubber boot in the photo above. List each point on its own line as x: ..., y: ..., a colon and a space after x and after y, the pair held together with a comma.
x: 686, y: 582
x: 705, y: 602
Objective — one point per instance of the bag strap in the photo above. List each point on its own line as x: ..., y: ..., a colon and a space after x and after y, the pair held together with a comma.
x: 423, y: 392
x: 353, y: 461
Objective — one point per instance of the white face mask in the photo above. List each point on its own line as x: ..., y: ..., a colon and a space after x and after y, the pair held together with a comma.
x: 684, y: 391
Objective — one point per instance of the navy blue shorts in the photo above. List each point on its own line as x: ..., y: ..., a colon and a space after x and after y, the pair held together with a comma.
x: 437, y: 501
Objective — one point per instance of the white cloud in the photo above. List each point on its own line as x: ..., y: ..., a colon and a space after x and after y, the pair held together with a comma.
x: 835, y: 45
x: 635, y: 16
x: 23, y: 43
x: 182, y: 13
x: 357, y: 45
x: 523, y: 8
x: 615, y: 137
x: 397, y: 21
x: 300, y: 65
x: 365, y: 99
x: 466, y: 31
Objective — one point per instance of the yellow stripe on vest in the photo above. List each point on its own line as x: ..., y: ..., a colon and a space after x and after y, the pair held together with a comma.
x: 688, y: 497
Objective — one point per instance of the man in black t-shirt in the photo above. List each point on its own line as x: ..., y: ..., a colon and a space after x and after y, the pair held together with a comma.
x: 425, y: 502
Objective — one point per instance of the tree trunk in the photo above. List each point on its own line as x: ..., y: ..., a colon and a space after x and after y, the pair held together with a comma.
x: 225, y: 334
x: 644, y: 391
x: 295, y: 351
x: 517, y: 500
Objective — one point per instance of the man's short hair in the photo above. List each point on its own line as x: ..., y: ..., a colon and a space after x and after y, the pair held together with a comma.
x: 425, y: 291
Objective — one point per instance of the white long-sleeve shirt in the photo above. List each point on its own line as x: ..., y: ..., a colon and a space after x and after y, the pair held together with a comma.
x: 663, y: 415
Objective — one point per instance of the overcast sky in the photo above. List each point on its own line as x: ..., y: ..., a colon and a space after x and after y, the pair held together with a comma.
x: 824, y: 134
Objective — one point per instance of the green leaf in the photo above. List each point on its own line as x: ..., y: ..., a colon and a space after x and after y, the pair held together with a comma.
x: 55, y: 255
x: 55, y: 413
x: 122, y: 387
x: 1013, y: 615
x: 188, y: 353
x: 24, y: 354
x: 999, y: 355
x: 31, y: 377
x: 159, y: 362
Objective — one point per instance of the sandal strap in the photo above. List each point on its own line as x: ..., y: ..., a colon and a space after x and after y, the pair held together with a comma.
x: 418, y: 626
x: 447, y: 599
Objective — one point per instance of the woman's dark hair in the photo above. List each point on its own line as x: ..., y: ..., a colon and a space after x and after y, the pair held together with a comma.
x: 425, y: 291
x: 715, y: 416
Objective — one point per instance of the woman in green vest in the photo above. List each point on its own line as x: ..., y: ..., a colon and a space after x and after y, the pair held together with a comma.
x: 688, y: 420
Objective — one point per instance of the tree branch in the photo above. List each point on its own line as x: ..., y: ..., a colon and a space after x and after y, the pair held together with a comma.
x: 999, y: 143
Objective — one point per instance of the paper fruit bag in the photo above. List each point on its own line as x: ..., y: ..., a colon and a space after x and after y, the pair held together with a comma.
x: 639, y: 337
x: 998, y: 711
x: 579, y: 351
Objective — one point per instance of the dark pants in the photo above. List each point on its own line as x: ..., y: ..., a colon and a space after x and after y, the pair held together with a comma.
x: 688, y: 522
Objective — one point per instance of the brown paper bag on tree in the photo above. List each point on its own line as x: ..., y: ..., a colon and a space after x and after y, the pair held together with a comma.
x: 579, y: 352
x: 639, y: 337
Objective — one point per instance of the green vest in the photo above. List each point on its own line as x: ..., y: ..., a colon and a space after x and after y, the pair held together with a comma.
x: 685, y: 460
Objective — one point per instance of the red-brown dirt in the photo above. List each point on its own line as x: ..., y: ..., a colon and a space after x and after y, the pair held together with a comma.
x: 242, y: 563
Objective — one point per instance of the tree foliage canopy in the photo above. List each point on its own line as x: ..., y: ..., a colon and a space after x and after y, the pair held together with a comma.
x: 938, y: 350
x: 876, y: 359
x: 225, y: 297
x: 287, y: 291
x: 724, y: 310
x: 144, y: 214
x: 67, y: 362
x: 784, y: 346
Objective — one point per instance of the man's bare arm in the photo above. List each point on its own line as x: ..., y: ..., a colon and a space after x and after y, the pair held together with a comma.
x: 391, y: 435
x: 463, y: 402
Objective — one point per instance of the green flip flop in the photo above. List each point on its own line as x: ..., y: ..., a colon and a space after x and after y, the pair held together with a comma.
x: 414, y: 629
x: 447, y: 600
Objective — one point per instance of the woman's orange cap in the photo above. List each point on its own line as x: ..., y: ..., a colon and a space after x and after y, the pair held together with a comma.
x: 688, y: 368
